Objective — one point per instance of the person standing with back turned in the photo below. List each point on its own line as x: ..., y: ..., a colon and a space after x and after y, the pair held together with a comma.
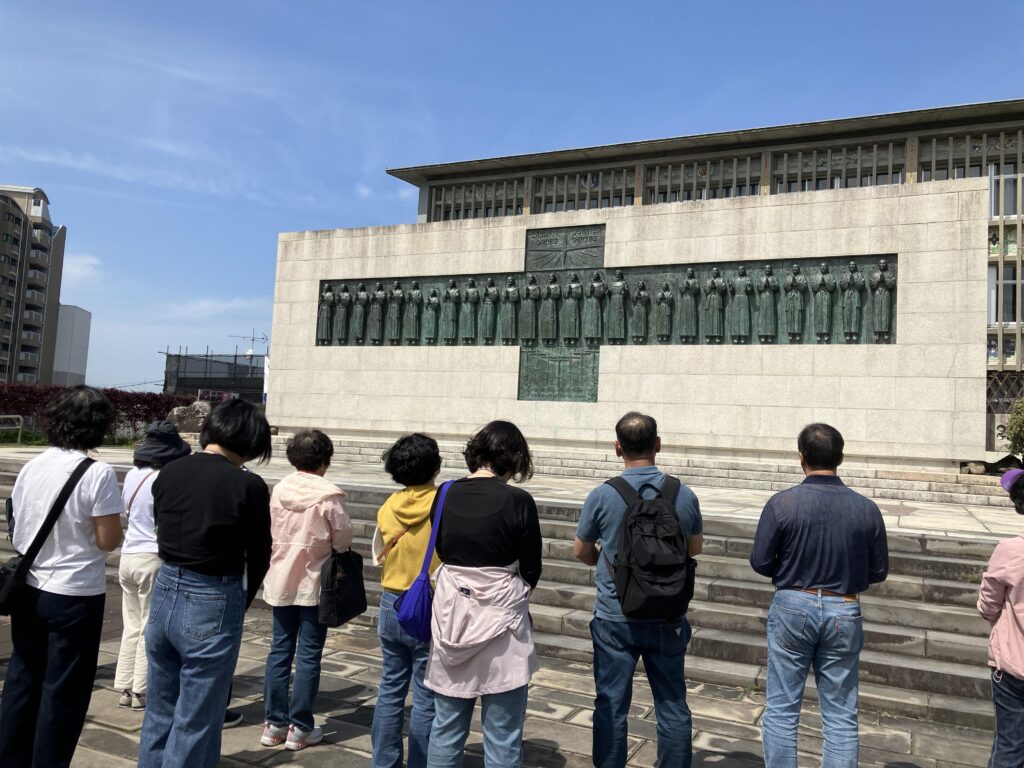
x: 620, y: 639
x: 822, y: 544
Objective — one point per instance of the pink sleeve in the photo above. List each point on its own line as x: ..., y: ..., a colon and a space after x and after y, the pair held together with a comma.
x: 341, y: 525
x: 992, y: 594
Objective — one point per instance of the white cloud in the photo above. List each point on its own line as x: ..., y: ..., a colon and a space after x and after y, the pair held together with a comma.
x: 79, y: 268
x: 407, y: 192
x: 202, y: 308
x: 363, y: 191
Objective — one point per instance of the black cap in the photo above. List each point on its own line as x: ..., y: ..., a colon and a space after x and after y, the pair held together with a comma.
x: 161, y: 445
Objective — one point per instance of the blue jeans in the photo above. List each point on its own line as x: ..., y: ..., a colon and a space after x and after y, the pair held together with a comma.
x: 501, y: 715
x: 804, y: 631
x: 1008, y: 699
x: 192, y: 640
x: 56, y: 641
x: 618, y: 645
x: 404, y: 660
x: 298, y: 634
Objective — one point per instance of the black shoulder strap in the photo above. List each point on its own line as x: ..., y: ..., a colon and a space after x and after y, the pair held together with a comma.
x: 51, y: 518
x: 670, y: 489
x: 625, y: 490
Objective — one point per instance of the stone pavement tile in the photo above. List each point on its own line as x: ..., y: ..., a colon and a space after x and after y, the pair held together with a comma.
x: 951, y: 750
x: 567, y: 738
x: 88, y: 758
x: 727, y: 728
x: 579, y: 700
x: 736, y: 711
x: 109, y: 742
x: 637, y: 727
x: 322, y: 756
x: 103, y: 710
x: 539, y: 706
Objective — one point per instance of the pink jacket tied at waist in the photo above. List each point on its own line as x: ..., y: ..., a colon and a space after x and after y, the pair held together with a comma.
x: 482, y: 637
x: 307, y: 521
x: 1001, y: 602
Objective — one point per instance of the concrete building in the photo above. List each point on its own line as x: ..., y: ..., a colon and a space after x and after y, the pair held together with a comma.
x: 31, y: 262
x: 915, y: 362
x: 215, y: 377
x: 71, y: 355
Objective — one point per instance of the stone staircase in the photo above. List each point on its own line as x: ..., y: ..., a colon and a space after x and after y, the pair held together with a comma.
x: 924, y: 654
x: 945, y: 486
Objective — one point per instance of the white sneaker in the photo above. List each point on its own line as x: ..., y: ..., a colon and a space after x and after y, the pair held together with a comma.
x: 125, y: 701
x: 138, y: 702
x: 274, y: 735
x: 300, y: 739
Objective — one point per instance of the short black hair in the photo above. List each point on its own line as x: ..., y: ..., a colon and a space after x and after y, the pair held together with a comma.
x: 821, y: 445
x: 500, y: 447
x: 1017, y: 494
x: 413, y: 459
x: 77, y: 417
x: 309, y: 450
x: 238, y: 426
x: 637, y: 434
x: 140, y: 464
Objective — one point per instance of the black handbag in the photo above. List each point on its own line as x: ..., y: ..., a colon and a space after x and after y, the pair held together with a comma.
x: 14, y: 573
x: 342, y: 592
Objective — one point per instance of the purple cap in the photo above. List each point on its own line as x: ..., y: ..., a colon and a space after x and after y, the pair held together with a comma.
x: 1009, y: 478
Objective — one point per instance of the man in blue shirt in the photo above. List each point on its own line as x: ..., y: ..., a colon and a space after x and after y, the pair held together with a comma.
x: 620, y: 642
x: 822, y: 544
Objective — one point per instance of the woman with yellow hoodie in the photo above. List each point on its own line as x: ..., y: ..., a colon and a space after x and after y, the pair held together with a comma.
x: 403, y: 534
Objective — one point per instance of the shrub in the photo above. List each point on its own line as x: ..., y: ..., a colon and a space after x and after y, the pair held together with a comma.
x: 1015, y: 429
x: 132, y: 410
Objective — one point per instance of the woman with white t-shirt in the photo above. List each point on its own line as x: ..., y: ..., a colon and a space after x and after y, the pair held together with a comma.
x: 57, y: 619
x: 140, y: 562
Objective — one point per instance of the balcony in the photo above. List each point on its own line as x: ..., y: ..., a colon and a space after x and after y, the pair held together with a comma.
x: 31, y: 316
x: 35, y: 297
x: 25, y: 378
x: 39, y: 257
x: 32, y: 358
x: 31, y: 337
x: 37, y: 277
x: 42, y: 237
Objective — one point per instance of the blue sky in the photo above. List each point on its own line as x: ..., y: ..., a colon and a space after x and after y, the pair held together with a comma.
x: 176, y: 140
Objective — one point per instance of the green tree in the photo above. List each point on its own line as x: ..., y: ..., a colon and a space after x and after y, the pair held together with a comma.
x: 1015, y: 428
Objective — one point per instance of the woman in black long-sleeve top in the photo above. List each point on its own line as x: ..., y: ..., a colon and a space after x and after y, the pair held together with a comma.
x: 489, y: 544
x: 213, y: 525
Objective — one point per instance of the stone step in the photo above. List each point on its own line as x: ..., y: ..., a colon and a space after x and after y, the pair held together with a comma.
x: 953, y: 709
x: 899, y: 671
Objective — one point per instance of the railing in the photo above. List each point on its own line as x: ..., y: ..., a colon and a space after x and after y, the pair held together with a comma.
x: 13, y: 421
x: 26, y: 378
x: 29, y: 357
x: 31, y: 337
x: 39, y: 257
x: 41, y: 236
x: 32, y: 316
x: 36, y: 297
x: 37, y: 276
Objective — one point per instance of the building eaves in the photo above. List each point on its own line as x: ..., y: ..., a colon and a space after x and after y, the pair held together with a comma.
x: 636, y: 151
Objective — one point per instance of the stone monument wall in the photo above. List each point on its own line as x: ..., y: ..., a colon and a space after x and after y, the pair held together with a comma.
x: 918, y: 395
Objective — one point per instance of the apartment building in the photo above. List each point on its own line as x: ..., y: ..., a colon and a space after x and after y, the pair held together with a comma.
x: 31, y: 262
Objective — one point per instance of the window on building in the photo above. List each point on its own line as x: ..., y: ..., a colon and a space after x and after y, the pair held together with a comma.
x: 1010, y: 288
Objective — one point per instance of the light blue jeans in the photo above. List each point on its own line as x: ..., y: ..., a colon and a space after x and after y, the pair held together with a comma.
x: 192, y: 640
x: 300, y: 636
x: 824, y: 633
x: 501, y: 715
x: 403, y: 661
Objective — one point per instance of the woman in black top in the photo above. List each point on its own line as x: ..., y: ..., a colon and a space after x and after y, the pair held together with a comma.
x: 490, y: 545
x: 213, y: 523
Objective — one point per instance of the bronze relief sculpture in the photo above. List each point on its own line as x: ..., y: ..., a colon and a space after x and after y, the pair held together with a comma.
x: 618, y: 294
x: 413, y: 307
x: 689, y: 303
x: 323, y: 317
x: 467, y: 315
x: 593, y: 310
x: 570, y: 319
x: 450, y: 313
x: 393, y: 324
x: 641, y: 301
x: 528, y: 311
x: 342, y: 301
x: 663, y: 313
x: 508, y: 318
x: 714, y: 307
x: 767, y: 312
x: 489, y: 314
x: 883, y: 283
x: 795, y: 288
x: 431, y: 310
x: 852, y: 285
x: 548, y: 324
x: 375, y: 321
x: 359, y: 312
x: 823, y: 285
x: 741, y: 288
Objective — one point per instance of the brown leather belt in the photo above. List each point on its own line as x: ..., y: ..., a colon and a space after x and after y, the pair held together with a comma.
x: 826, y: 593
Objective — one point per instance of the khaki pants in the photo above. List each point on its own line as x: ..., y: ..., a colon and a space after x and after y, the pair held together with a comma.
x: 137, y: 574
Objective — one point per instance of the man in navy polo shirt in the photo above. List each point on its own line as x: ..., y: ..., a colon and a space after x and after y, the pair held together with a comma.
x: 620, y: 642
x: 822, y: 544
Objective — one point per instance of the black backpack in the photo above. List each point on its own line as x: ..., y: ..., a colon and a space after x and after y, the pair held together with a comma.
x: 653, y: 570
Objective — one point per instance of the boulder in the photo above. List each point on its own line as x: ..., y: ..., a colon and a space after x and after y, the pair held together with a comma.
x: 189, y: 418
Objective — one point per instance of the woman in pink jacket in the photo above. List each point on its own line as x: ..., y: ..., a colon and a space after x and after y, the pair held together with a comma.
x: 1001, y: 602
x: 307, y: 521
